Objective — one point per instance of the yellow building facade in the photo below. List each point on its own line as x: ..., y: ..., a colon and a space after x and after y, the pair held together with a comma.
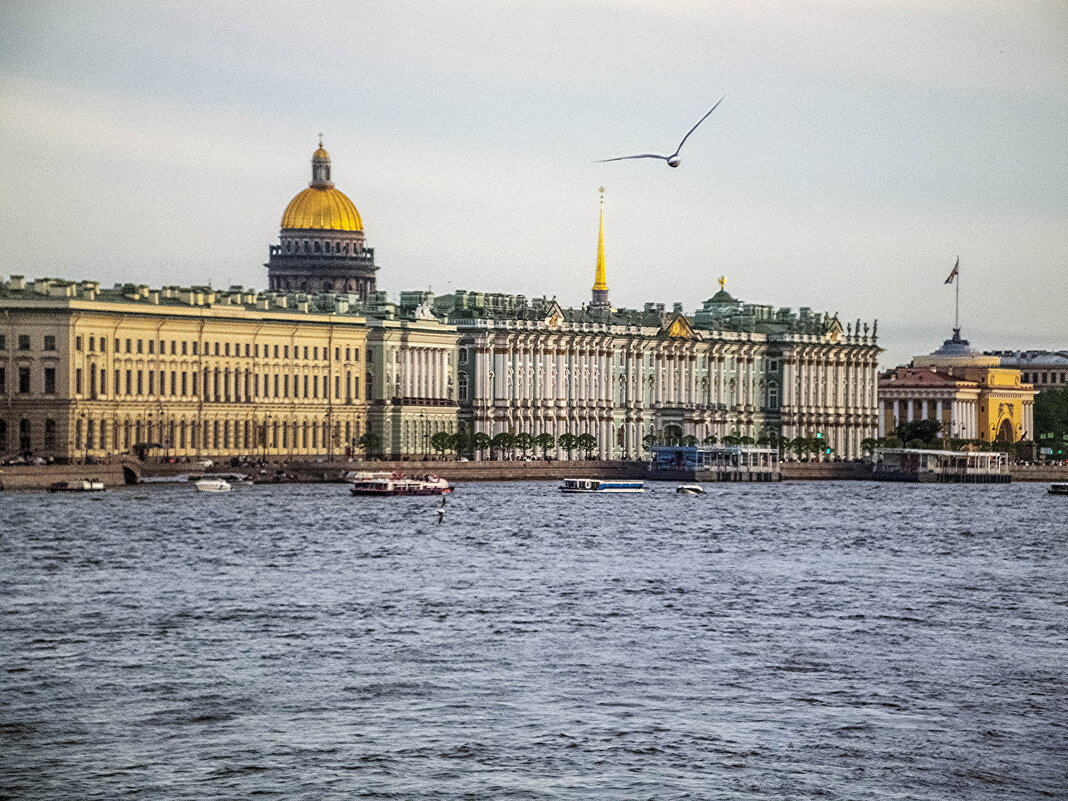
x: 969, y: 393
x: 185, y: 373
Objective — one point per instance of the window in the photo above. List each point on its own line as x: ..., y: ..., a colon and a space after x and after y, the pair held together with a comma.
x: 24, y: 342
x: 276, y: 385
x: 50, y: 342
x: 276, y: 351
x: 174, y: 347
x: 216, y: 348
x: 337, y: 354
x: 305, y: 386
x: 356, y: 387
x: 103, y: 382
x: 140, y: 346
x: 3, y: 345
x: 129, y: 346
x: 3, y: 384
x: 50, y: 434
x: 305, y: 353
x: 315, y: 353
x: 247, y: 350
x: 25, y: 440
x: 117, y: 385
x: 151, y: 380
x: 462, y: 356
x: 355, y: 354
x: 773, y: 396
x: 116, y: 346
x: 285, y: 351
x: 151, y: 346
x: 24, y: 380
x: 337, y: 387
x: 50, y: 380
x: 226, y: 350
x: 462, y: 385
x: 174, y: 382
x: 129, y: 382
x: 773, y: 365
x: 103, y: 345
x: 92, y: 344
x: 140, y: 382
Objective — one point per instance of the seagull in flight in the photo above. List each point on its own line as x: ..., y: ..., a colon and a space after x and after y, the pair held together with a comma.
x: 673, y: 160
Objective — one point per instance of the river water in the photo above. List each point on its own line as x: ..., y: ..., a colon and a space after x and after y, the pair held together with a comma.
x: 800, y: 640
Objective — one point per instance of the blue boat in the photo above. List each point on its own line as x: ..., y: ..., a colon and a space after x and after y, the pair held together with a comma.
x: 601, y: 485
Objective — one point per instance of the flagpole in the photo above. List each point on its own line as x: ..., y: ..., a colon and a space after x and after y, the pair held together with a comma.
x: 956, y: 305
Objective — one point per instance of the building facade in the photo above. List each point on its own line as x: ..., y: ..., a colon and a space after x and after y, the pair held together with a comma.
x: 411, y: 377
x: 177, y: 372
x: 1043, y: 369
x: 631, y: 376
x: 970, y: 394
x: 321, y: 244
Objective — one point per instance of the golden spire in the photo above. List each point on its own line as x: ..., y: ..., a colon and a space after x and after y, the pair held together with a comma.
x: 598, y: 279
x: 722, y: 282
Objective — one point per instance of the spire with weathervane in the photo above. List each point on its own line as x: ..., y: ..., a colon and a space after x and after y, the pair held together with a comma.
x: 600, y: 288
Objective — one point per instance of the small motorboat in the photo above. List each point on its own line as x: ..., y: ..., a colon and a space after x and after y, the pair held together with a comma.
x: 213, y: 485
x: 1058, y: 489
x: 397, y: 484
x: 690, y: 489
x: 235, y: 480
x: 601, y: 485
x: 85, y: 485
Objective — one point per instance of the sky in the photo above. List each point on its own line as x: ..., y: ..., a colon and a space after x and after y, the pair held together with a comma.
x: 860, y: 149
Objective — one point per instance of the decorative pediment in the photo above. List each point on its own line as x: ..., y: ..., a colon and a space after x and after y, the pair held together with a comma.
x: 554, y: 315
x: 678, y: 327
x: 833, y: 328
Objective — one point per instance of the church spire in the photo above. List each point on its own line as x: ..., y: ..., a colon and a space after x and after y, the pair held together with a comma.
x: 600, y: 287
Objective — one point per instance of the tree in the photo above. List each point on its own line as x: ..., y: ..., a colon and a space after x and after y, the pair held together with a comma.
x: 926, y: 431
x: 868, y: 445
x: 1051, y: 422
x: 545, y: 441
x: 524, y: 442
x: 586, y: 442
x: 441, y: 442
x: 567, y: 441
x: 746, y: 440
x: 370, y: 442
x: 731, y: 439
x: 649, y: 440
x: 461, y: 441
x: 502, y: 442
x: 479, y: 442
x: 689, y: 441
x: 711, y: 439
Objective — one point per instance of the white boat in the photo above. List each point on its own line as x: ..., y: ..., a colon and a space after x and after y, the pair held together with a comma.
x: 85, y: 485
x: 690, y: 489
x: 396, y: 484
x: 1058, y: 489
x: 601, y: 485
x: 213, y: 485
x: 235, y: 480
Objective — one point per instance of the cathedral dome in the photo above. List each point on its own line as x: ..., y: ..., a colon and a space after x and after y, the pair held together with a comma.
x: 323, y: 208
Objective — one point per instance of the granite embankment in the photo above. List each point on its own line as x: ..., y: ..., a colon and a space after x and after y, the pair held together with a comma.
x: 33, y: 477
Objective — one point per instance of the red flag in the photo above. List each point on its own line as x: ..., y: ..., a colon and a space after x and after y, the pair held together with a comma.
x: 956, y: 269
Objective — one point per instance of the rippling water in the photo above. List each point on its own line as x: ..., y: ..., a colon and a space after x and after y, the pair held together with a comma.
x: 839, y: 641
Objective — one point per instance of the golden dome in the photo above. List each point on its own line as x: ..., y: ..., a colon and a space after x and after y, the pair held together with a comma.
x: 320, y: 153
x: 323, y: 208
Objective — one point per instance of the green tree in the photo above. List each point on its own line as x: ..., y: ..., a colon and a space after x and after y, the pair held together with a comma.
x: 1051, y: 422
x: 441, y: 442
x: 689, y: 441
x: 649, y: 440
x: 926, y: 431
x: 731, y: 439
x: 479, y: 442
x: 746, y: 440
x: 524, y: 442
x: 461, y: 441
x: 586, y: 442
x: 711, y: 439
x: 501, y: 443
x: 546, y: 442
x: 868, y: 445
x: 370, y: 442
x: 567, y: 441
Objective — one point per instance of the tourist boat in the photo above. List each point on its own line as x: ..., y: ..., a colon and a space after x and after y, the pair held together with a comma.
x: 85, y: 485
x: 235, y: 480
x: 213, y: 485
x: 601, y: 485
x: 1058, y: 489
x: 690, y: 489
x: 396, y: 484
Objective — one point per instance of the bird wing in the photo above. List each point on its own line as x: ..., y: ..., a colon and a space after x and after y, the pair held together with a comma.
x: 694, y: 128
x: 642, y: 156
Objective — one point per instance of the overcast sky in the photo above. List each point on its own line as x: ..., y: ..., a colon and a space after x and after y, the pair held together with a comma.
x: 861, y: 147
